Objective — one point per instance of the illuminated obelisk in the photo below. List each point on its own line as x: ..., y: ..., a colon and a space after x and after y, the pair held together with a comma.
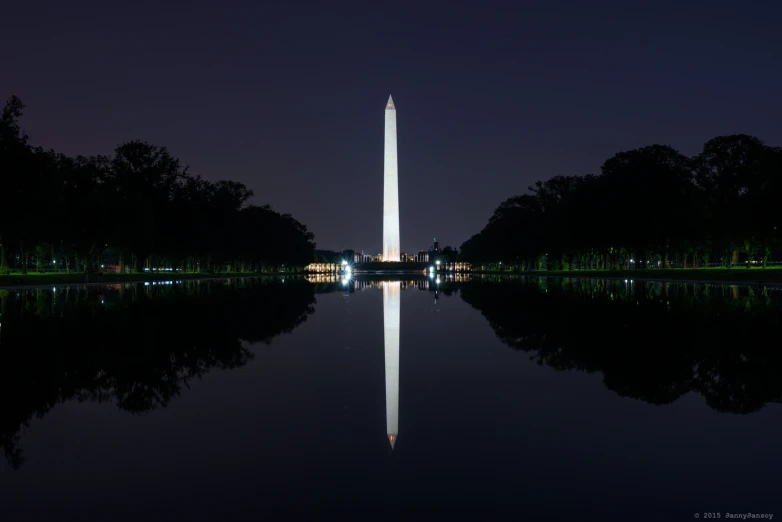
x: 391, y: 249
x: 391, y: 290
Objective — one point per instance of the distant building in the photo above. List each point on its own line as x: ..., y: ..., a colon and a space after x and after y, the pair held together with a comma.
x: 322, y: 268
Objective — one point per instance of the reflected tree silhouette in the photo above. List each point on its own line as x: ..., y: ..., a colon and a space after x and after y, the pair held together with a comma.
x: 135, y: 345
x: 651, y: 341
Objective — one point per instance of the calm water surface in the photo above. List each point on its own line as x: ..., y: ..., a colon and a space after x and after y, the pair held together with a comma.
x: 482, y: 399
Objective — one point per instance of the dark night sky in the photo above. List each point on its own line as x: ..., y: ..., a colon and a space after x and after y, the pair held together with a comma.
x: 288, y: 97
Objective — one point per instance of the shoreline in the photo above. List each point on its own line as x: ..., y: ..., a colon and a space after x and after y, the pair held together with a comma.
x: 55, y: 280
x: 691, y: 281
x: 752, y: 277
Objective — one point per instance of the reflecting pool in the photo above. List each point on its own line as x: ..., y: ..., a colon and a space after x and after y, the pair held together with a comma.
x: 450, y: 398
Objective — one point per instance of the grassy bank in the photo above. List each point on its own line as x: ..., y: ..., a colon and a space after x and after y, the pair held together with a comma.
x: 751, y: 275
x: 56, y: 278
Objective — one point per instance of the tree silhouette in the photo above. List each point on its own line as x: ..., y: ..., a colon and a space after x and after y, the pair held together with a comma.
x: 648, y: 207
x: 141, y: 205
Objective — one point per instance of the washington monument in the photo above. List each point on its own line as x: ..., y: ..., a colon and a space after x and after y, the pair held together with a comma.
x: 391, y: 249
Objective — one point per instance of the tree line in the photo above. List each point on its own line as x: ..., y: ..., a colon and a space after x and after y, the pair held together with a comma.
x: 648, y: 207
x: 140, y: 206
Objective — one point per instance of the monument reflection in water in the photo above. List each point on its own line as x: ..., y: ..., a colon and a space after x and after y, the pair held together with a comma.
x: 391, y: 292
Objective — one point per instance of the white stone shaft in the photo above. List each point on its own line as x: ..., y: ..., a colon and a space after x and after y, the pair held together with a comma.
x: 391, y: 248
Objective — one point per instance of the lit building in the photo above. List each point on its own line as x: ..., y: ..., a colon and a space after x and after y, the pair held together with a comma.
x: 322, y: 268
